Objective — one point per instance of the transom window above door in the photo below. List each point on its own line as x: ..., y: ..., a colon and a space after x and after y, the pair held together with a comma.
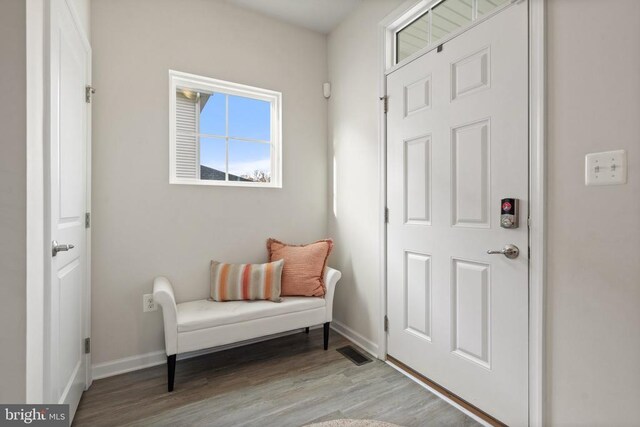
x: 440, y: 20
x: 224, y: 133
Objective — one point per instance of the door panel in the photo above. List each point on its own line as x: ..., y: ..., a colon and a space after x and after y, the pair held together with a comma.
x: 470, y: 74
x: 417, y: 96
x: 470, y: 170
x: 417, y: 183
x: 418, y: 292
x: 70, y: 321
x: 471, y: 311
x: 67, y: 194
x: 457, y: 143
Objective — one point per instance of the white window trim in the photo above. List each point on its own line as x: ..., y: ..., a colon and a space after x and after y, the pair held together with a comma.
x: 179, y: 79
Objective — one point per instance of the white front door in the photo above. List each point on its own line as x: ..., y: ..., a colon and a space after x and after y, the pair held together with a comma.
x: 66, y: 308
x: 457, y: 145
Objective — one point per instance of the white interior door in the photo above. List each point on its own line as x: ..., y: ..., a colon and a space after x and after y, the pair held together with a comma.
x: 458, y: 144
x: 67, y: 305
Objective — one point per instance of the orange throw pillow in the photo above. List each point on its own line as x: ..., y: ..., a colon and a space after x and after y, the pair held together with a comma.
x: 303, y: 272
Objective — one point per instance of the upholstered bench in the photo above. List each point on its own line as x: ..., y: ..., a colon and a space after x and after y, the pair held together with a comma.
x: 202, y: 324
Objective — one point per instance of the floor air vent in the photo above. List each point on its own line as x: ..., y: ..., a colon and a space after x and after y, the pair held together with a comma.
x: 354, y: 355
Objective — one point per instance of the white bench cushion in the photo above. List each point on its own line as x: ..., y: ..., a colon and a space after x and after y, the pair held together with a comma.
x: 202, y: 314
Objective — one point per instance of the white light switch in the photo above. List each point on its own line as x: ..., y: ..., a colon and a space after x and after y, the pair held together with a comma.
x: 606, y: 168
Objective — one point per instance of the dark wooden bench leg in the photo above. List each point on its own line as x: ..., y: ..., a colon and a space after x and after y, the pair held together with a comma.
x: 306, y: 331
x: 171, y: 370
x: 326, y: 335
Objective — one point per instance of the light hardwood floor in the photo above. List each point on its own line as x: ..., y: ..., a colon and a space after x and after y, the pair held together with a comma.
x: 289, y: 381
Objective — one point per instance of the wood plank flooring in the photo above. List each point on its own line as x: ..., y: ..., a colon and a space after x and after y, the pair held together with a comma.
x: 288, y: 381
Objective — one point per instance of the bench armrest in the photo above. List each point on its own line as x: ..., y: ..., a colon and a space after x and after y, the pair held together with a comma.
x: 163, y: 295
x: 331, y: 277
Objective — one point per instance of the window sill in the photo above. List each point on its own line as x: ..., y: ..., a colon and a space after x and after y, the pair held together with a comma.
x: 224, y: 183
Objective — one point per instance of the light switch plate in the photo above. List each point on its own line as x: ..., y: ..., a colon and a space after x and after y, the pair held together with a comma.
x: 606, y: 168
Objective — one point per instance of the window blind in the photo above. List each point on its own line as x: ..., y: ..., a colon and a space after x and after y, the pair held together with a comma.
x: 187, y: 156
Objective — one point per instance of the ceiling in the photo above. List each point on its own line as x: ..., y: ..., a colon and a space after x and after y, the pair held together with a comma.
x: 317, y: 15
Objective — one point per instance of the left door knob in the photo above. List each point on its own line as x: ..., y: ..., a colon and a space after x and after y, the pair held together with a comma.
x: 55, y: 248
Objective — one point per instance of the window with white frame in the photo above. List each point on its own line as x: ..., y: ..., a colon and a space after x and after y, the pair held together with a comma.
x: 224, y: 133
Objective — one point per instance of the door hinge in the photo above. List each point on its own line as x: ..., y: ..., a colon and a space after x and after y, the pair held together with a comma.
x: 386, y: 215
x: 87, y: 220
x: 385, y: 103
x: 88, y: 92
x: 386, y: 323
x: 87, y: 345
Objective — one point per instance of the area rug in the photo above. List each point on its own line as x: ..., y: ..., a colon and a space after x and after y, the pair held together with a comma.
x: 352, y: 423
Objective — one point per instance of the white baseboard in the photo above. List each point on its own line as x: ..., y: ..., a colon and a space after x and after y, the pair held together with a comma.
x: 128, y: 364
x: 355, y: 337
x: 155, y: 358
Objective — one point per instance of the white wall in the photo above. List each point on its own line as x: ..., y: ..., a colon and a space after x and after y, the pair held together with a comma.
x: 13, y: 213
x: 142, y: 226
x: 354, y: 72
x: 593, y: 292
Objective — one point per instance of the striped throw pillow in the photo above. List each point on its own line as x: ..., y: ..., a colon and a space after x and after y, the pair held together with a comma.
x: 234, y: 282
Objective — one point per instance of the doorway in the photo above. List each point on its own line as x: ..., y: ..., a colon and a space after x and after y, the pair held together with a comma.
x: 456, y: 161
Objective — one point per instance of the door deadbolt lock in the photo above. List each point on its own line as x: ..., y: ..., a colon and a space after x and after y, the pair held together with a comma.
x: 509, y: 213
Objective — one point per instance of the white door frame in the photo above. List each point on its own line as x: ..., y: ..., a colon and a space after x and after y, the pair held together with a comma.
x: 537, y: 185
x: 38, y: 218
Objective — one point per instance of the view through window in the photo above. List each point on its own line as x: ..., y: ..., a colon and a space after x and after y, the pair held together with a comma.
x: 225, y: 133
